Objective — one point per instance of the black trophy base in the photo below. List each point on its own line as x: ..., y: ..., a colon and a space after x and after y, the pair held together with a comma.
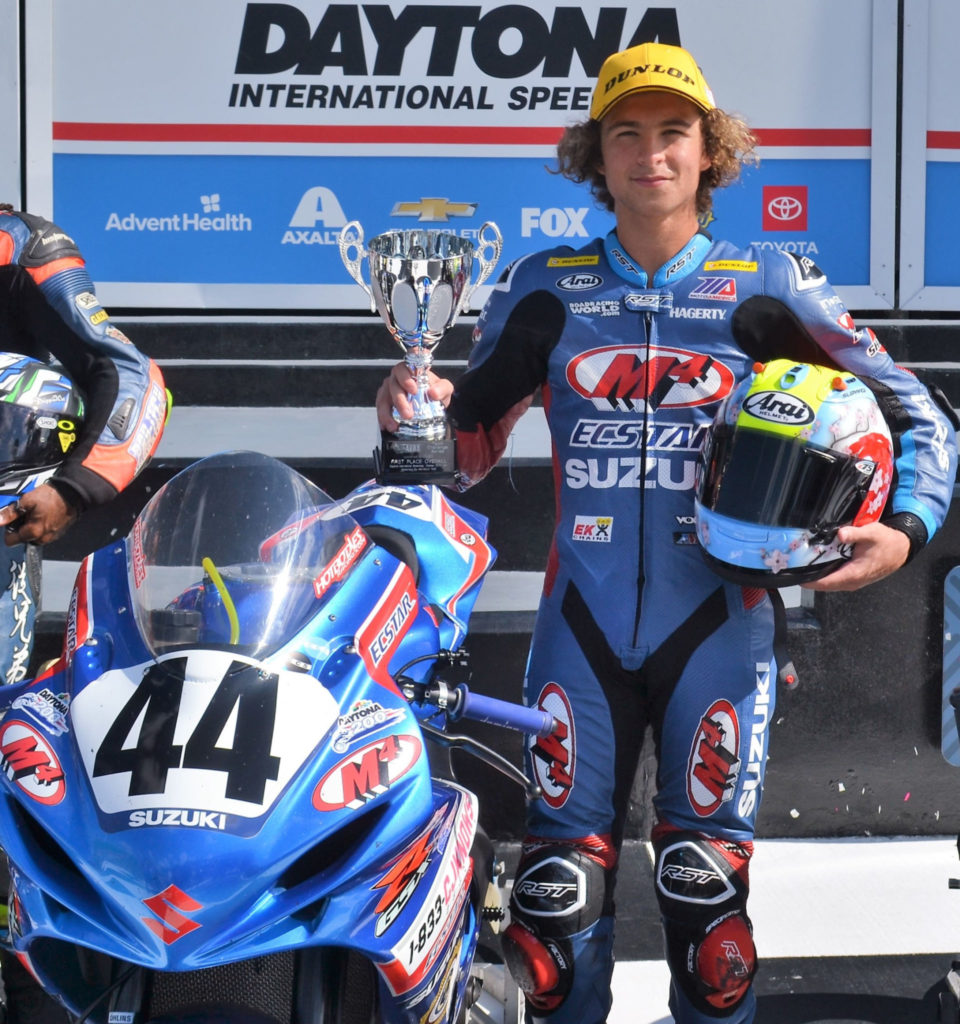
x: 416, y: 460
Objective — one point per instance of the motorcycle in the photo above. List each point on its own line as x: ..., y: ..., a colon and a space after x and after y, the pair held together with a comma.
x: 232, y: 797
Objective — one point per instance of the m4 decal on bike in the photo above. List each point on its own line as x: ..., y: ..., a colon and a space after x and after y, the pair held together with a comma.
x: 207, y: 730
x: 366, y: 773
x: 28, y: 760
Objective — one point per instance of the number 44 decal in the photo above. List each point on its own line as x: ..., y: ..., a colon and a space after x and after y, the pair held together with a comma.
x: 248, y: 763
x: 205, y: 730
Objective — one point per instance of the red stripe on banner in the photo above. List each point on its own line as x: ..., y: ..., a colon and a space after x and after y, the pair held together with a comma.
x: 473, y: 134
x: 813, y: 136
x: 943, y: 140
x: 92, y: 131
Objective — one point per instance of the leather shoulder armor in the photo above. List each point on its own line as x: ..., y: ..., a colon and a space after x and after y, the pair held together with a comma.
x: 46, y: 243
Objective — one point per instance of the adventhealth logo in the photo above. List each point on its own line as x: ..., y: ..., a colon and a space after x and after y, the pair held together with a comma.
x: 209, y: 218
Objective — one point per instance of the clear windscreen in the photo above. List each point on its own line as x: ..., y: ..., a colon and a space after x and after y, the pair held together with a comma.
x: 237, y: 552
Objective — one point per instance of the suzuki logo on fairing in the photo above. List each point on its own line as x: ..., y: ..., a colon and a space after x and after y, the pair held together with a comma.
x: 167, y: 905
x: 628, y: 377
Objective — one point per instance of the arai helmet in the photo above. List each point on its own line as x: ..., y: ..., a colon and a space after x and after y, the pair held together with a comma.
x: 795, y: 452
x: 41, y: 413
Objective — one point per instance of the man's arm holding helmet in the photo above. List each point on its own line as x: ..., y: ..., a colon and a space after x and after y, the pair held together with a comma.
x: 924, y: 437
x: 125, y: 400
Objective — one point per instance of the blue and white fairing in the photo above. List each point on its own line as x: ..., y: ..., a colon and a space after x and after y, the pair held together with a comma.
x: 220, y: 765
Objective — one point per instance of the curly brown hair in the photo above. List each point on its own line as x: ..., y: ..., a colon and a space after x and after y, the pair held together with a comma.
x: 727, y: 140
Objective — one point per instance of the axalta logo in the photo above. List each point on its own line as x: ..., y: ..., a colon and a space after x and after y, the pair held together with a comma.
x: 317, y: 220
x: 554, y: 222
x: 714, y: 762
x: 778, y: 407
x: 210, y: 220
x: 629, y: 377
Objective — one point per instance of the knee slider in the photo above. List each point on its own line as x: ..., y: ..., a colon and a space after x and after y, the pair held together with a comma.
x: 702, y: 887
x: 559, y: 890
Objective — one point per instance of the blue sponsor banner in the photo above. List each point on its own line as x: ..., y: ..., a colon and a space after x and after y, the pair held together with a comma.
x: 940, y: 264
x: 275, y: 220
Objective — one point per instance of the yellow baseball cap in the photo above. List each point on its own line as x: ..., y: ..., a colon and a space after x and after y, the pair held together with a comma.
x: 653, y: 67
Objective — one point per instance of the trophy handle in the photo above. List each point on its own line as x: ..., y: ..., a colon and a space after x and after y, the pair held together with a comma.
x: 493, y: 245
x: 351, y: 237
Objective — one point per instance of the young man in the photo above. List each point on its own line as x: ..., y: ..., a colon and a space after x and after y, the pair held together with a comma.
x: 637, y: 631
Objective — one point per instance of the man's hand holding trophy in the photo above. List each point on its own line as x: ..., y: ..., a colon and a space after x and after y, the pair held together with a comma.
x: 420, y: 282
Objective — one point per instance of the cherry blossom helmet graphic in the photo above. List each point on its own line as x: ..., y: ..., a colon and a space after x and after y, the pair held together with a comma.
x: 41, y: 413
x: 795, y: 451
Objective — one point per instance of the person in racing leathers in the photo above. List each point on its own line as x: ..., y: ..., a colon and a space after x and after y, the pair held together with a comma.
x: 49, y: 308
x: 633, y: 340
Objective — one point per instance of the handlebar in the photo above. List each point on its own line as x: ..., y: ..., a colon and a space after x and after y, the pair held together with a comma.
x: 480, y: 708
x: 459, y: 702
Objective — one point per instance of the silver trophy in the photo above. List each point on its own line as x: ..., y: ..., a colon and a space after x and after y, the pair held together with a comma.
x: 419, y: 284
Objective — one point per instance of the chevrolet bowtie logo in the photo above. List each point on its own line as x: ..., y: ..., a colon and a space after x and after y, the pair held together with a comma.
x: 434, y: 209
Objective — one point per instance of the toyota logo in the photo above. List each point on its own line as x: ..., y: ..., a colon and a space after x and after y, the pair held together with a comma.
x: 785, y: 208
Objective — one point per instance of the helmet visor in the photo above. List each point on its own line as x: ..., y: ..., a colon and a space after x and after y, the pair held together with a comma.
x: 29, y: 438
x: 776, y: 481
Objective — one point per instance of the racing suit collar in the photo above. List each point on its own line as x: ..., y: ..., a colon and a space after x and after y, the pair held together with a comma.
x: 677, y: 267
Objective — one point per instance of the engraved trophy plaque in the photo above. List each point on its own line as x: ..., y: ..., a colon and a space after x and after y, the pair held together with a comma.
x: 419, y: 284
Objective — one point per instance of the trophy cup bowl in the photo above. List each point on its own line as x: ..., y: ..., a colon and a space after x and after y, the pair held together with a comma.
x: 420, y: 282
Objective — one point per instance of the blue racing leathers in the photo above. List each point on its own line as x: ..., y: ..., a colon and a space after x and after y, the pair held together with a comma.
x: 633, y: 629
x: 49, y: 309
